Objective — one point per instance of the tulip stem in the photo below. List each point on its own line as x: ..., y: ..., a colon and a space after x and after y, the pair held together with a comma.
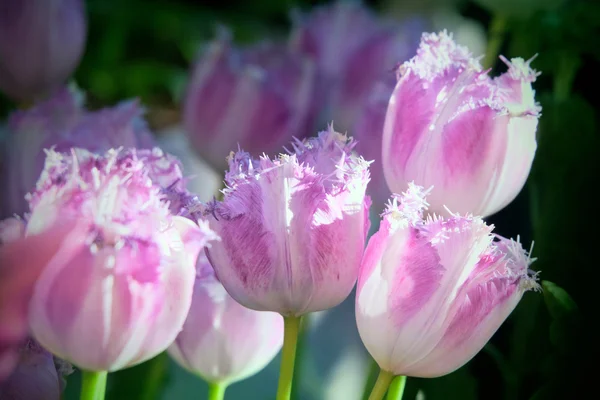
x: 216, y: 390
x: 300, y: 354
x: 291, y: 328
x: 396, y: 389
x: 381, y: 385
x: 93, y: 385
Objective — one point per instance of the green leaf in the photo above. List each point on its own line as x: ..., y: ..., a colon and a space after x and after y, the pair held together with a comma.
x: 558, y: 301
x: 544, y: 393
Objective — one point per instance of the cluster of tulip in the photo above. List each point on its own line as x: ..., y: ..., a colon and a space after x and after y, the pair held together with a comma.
x: 111, y: 260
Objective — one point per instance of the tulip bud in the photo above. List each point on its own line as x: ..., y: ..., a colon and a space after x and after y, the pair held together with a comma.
x: 41, y: 43
x: 432, y: 292
x: 62, y: 122
x: 37, y: 376
x: 450, y: 126
x: 258, y: 97
x: 221, y: 340
x: 119, y: 293
x: 293, y: 228
x: 353, y: 49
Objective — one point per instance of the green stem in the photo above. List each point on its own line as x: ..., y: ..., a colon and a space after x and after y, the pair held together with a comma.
x: 381, y: 385
x: 396, y: 389
x: 93, y: 385
x: 300, y: 356
x: 155, y: 377
x: 216, y: 390
x: 288, y: 357
x: 495, y: 40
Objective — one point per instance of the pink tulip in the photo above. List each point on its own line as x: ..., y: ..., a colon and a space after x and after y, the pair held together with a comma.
x: 120, y: 292
x: 221, y: 340
x: 41, y: 43
x: 62, y: 122
x: 293, y: 228
x: 450, y: 126
x: 257, y: 98
x: 353, y: 49
x: 432, y: 292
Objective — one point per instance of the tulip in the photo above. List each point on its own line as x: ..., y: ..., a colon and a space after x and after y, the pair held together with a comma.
x: 292, y: 232
x: 221, y: 340
x: 119, y: 293
x: 432, y: 292
x: 41, y: 43
x: 293, y: 228
x: 450, y: 126
x: 38, y: 375
x: 62, y: 122
x: 353, y: 49
x: 258, y: 98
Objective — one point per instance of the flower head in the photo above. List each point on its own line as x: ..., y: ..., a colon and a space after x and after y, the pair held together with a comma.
x: 40, y: 45
x: 263, y: 95
x: 292, y: 228
x: 61, y: 123
x: 354, y: 49
x: 431, y: 292
x: 451, y: 126
x: 221, y: 340
x: 119, y: 292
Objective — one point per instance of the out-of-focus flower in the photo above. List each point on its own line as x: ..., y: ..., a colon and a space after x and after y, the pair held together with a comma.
x: 368, y: 132
x: 432, y: 292
x: 22, y: 259
x: 466, y: 31
x: 293, y: 228
x: 38, y: 375
x: 62, y: 122
x: 450, y: 126
x: 257, y: 98
x: 223, y: 341
x: 41, y: 43
x: 120, y: 292
x: 353, y: 49
x: 203, y: 180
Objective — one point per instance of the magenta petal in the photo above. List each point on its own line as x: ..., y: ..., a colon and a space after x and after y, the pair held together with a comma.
x: 450, y: 126
x: 292, y: 229
x: 221, y: 340
x: 20, y: 268
x: 118, y: 293
x: 432, y: 292
x: 40, y: 45
x: 248, y: 98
